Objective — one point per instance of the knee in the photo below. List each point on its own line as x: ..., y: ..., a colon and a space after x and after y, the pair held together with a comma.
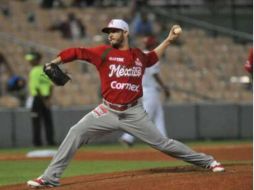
x: 163, y: 144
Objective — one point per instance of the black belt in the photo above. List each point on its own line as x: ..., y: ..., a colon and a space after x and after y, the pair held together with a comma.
x: 120, y: 107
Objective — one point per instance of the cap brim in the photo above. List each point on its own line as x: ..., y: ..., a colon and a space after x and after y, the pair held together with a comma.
x: 107, y: 29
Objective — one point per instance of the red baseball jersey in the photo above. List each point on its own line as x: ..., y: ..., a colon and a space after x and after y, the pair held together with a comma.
x: 120, y: 72
x: 249, y: 63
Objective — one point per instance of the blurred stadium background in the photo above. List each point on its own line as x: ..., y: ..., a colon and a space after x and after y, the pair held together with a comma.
x: 211, y: 91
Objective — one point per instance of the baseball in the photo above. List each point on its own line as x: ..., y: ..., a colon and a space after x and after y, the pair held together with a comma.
x: 178, y: 30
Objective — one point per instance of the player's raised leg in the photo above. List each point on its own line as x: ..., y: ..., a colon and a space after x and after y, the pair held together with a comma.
x: 143, y: 128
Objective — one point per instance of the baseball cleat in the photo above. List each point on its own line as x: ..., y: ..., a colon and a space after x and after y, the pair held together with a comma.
x: 216, y: 167
x: 40, y: 183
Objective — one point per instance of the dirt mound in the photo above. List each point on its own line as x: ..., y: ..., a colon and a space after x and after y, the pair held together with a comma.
x: 237, y: 177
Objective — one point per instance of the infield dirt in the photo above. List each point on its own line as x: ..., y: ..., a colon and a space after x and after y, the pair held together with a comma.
x: 238, y: 176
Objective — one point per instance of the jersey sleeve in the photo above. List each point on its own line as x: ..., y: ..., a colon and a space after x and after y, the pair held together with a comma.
x: 151, y: 58
x: 91, y: 55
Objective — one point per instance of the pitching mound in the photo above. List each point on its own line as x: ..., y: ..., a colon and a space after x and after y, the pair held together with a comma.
x: 237, y: 176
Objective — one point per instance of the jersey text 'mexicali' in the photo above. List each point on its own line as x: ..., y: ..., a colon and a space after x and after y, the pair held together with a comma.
x: 122, y: 71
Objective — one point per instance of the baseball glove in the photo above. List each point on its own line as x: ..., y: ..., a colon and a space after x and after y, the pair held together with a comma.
x: 56, y: 75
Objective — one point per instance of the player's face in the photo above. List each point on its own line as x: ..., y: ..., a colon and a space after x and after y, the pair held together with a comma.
x: 116, y: 38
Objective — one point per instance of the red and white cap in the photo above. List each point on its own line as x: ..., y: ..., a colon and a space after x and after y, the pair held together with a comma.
x: 116, y: 24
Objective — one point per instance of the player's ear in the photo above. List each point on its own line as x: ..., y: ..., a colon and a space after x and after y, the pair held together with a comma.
x: 126, y: 33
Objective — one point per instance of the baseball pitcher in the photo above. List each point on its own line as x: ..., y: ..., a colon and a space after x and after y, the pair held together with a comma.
x: 120, y: 69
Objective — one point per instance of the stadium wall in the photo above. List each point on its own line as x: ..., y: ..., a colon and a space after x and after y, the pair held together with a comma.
x: 184, y: 122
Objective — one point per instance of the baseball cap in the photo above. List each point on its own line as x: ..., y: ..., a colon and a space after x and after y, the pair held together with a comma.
x: 116, y: 24
x: 32, y: 56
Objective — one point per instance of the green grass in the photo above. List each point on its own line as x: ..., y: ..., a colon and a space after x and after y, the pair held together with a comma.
x: 21, y: 171
x: 218, y: 142
x: 14, y: 172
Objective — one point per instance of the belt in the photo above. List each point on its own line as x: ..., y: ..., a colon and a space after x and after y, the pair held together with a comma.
x: 120, y: 107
